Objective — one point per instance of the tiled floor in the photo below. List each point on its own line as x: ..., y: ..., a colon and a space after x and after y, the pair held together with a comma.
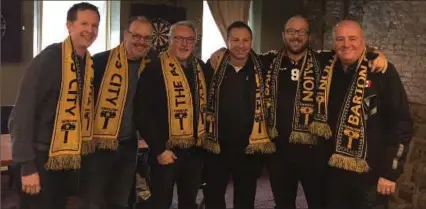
x: 264, y: 198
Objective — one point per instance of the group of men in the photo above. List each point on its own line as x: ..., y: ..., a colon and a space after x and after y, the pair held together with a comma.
x: 309, y: 115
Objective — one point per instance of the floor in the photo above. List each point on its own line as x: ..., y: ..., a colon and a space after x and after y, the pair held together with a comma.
x: 264, y: 198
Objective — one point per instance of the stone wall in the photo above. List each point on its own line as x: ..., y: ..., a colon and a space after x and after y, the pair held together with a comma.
x: 411, y: 191
x: 398, y: 28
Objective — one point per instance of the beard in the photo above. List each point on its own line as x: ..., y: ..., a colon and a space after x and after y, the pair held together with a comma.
x: 296, y: 51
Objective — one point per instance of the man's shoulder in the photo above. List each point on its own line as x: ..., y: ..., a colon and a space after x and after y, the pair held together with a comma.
x: 54, y: 49
x: 101, y: 55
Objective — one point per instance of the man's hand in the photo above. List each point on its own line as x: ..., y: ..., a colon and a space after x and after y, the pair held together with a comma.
x: 31, y: 184
x: 380, y: 64
x: 214, y: 58
x: 385, y: 187
x: 167, y: 157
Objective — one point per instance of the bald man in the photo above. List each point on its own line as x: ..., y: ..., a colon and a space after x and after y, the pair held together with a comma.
x: 289, y: 88
x: 108, y: 173
x: 291, y: 73
x: 362, y: 109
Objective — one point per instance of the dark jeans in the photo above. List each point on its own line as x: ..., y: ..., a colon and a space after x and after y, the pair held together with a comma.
x: 244, y: 170
x: 353, y: 191
x: 306, y: 166
x: 185, y: 172
x: 107, y: 177
x: 56, y: 186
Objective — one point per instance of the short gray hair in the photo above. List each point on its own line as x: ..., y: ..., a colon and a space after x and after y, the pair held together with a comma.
x: 186, y: 23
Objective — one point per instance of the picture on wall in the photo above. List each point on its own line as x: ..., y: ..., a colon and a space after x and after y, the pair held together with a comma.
x: 162, y: 17
x: 11, y: 31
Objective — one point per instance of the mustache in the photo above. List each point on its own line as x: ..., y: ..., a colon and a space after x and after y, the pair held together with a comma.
x: 296, y: 39
x: 86, y: 34
x: 140, y: 45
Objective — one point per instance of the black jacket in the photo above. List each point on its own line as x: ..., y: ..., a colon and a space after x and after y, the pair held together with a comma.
x: 151, y: 106
x: 389, y: 124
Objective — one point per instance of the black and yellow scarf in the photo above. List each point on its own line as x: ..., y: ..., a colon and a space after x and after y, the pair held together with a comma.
x: 304, y: 99
x: 112, y: 98
x: 180, y: 107
x: 73, y: 130
x: 259, y: 140
x: 351, y: 143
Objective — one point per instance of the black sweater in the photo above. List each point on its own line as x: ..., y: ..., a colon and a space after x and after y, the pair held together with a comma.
x: 32, y: 119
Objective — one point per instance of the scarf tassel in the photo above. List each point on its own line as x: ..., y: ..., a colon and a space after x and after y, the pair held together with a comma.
x: 298, y: 137
x: 181, y: 143
x: 63, y: 162
x: 320, y: 129
x: 265, y: 148
x: 201, y: 140
x: 106, y: 144
x: 349, y: 163
x: 273, y: 133
x: 87, y: 147
x: 142, y: 187
x: 211, y: 146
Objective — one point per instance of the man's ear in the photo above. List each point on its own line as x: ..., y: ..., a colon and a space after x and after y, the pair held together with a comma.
x: 69, y: 25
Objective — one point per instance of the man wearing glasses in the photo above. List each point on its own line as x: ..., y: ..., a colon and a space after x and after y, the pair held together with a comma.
x: 290, y: 85
x: 170, y: 115
x: 108, y: 173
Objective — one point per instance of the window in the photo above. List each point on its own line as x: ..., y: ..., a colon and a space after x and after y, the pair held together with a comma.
x: 51, y: 25
x: 212, y: 39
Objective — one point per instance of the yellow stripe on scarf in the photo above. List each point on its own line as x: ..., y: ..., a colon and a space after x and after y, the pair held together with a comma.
x: 180, y: 107
x: 112, y: 98
x: 73, y: 124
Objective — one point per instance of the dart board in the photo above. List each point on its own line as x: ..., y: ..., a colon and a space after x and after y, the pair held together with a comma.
x: 160, y: 37
x: 3, y: 25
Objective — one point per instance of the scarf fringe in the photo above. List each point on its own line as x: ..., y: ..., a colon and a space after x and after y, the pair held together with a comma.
x: 142, y: 188
x: 106, y: 144
x: 265, y: 148
x: 273, y: 133
x: 349, y: 163
x: 298, y: 137
x: 88, y: 147
x: 201, y: 139
x: 211, y: 146
x: 320, y: 129
x: 63, y: 162
x: 181, y: 143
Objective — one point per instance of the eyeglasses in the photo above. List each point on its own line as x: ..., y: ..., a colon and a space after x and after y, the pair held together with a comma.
x: 302, y: 32
x: 137, y: 37
x: 188, y: 40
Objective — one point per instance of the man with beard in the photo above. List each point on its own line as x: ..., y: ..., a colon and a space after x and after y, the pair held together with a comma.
x: 47, y: 125
x: 236, y: 125
x: 170, y: 114
x: 290, y: 76
x: 361, y: 109
x: 108, y: 173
